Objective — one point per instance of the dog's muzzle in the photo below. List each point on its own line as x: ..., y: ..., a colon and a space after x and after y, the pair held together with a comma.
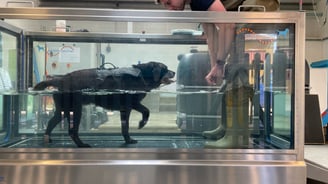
x: 167, y: 78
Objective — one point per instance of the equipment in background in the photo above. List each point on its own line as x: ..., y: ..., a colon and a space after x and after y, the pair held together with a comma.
x: 198, y: 104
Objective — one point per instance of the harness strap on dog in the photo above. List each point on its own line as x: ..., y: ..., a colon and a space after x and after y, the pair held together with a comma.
x: 117, y: 74
x: 135, y: 72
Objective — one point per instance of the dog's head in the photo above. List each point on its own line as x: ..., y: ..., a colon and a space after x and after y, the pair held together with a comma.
x: 156, y: 72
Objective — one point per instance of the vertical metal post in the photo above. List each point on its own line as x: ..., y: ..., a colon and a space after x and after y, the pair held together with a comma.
x: 1, y: 62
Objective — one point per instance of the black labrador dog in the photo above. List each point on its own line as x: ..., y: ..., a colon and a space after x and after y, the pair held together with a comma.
x: 119, y: 89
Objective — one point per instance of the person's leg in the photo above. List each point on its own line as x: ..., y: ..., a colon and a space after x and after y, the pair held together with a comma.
x: 220, y: 131
x: 237, y: 121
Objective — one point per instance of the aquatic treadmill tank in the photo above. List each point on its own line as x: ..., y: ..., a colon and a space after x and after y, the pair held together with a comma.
x: 118, y: 94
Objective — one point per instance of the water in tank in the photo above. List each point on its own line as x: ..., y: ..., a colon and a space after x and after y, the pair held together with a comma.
x: 137, y: 94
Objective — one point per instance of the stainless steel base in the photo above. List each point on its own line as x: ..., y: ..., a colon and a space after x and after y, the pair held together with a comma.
x: 151, y: 172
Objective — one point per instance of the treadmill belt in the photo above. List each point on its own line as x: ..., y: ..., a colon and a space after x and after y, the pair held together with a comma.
x: 113, y: 142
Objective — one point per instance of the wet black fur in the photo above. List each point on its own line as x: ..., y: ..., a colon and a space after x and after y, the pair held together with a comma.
x: 70, y: 98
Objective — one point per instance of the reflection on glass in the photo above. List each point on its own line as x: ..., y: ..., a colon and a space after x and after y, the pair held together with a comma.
x: 8, y: 79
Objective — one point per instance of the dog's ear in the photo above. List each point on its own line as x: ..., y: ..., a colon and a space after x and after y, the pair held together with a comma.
x: 152, y: 69
x: 157, y: 72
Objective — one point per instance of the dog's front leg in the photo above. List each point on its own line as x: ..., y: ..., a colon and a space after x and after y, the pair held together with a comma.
x: 145, y: 114
x: 125, y: 116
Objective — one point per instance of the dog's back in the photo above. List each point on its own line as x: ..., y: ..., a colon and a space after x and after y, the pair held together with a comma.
x: 141, y: 77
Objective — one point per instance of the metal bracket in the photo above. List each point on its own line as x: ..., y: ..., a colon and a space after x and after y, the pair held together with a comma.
x: 19, y: 1
x: 251, y: 6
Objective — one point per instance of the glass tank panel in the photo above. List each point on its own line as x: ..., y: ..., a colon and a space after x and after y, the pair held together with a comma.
x: 92, y: 84
x: 8, y: 78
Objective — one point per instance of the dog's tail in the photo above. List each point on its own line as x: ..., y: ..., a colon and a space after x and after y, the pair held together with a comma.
x: 44, y: 84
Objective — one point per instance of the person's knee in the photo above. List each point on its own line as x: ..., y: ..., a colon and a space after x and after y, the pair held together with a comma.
x: 269, y: 5
x: 231, y: 26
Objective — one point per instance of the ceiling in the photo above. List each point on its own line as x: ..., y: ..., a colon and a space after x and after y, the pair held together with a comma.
x: 150, y: 4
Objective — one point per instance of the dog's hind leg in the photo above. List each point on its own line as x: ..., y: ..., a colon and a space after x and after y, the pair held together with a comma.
x: 58, y: 98
x: 125, y: 116
x: 145, y: 114
x: 52, y: 123
x: 73, y: 129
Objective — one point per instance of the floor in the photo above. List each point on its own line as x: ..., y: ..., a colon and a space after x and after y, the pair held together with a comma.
x: 316, y: 157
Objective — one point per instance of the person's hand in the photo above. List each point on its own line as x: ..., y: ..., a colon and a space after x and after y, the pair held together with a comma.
x: 215, y: 75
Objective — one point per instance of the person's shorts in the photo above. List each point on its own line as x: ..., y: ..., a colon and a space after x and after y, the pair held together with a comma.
x: 251, y: 5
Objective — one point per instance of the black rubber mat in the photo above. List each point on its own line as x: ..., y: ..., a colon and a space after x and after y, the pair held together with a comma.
x: 113, y: 142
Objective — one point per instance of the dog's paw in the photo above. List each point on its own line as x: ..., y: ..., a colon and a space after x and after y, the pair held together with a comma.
x: 131, y: 141
x: 46, y: 139
x: 142, y: 123
x: 84, y: 145
x: 78, y: 142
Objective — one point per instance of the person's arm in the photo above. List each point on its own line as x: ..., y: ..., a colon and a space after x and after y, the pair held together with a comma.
x: 216, y: 6
x: 219, y: 40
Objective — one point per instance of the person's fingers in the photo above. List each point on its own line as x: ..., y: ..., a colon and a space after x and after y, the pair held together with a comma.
x: 211, y: 80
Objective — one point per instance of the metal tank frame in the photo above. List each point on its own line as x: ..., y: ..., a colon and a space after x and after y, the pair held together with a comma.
x: 167, y: 166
